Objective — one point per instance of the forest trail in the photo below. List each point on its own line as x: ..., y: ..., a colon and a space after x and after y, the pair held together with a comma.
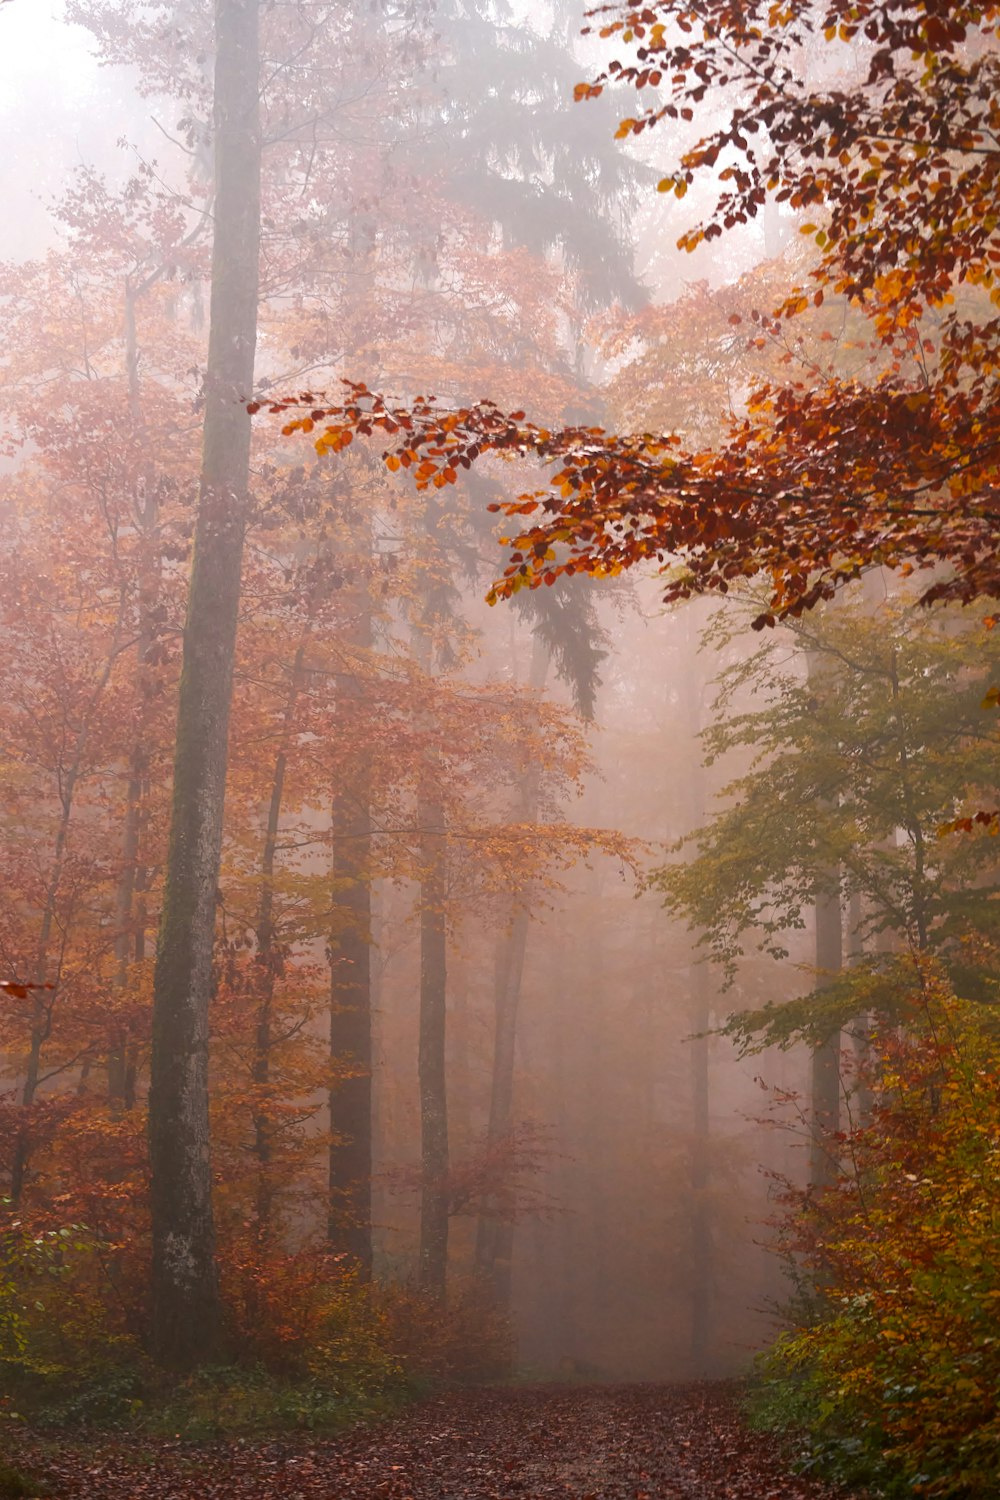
x: 667, y: 1442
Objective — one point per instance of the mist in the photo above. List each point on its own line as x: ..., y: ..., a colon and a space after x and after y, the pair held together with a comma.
x: 404, y: 991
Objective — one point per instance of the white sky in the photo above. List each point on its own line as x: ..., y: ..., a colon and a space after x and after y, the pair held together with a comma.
x: 58, y: 108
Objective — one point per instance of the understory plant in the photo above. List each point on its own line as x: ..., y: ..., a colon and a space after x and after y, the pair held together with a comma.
x: 894, y: 1370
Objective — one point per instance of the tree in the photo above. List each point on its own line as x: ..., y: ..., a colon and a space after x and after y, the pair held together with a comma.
x: 857, y: 761
x: 185, y: 1297
x: 826, y: 477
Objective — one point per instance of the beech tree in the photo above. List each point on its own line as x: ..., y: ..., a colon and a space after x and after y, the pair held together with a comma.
x: 855, y: 771
x: 824, y: 478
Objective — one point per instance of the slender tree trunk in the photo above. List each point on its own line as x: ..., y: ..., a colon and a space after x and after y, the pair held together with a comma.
x: 350, y: 1163
x: 495, y: 1237
x: 267, y: 959
x: 702, y: 1246
x: 128, y: 938
x: 184, y: 1284
x: 825, y: 1066
x: 350, y: 1160
x: 829, y: 935
x: 41, y: 1020
x: 433, y: 1269
x: 861, y: 1100
x: 124, y: 899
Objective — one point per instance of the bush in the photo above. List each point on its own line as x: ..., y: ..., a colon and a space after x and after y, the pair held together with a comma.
x: 900, y: 1370
x: 58, y: 1342
x: 16, y: 1485
x: 468, y: 1339
x: 234, y: 1400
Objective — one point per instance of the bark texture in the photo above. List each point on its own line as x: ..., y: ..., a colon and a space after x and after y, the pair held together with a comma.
x: 185, y: 1303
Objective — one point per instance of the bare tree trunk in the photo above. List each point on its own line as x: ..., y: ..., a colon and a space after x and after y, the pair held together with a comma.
x: 267, y: 959
x: 41, y: 1020
x: 350, y: 1163
x: 702, y: 1246
x: 494, y: 1237
x: 825, y: 1070
x: 433, y: 1270
x: 184, y: 1284
x: 129, y: 937
x: 825, y: 1062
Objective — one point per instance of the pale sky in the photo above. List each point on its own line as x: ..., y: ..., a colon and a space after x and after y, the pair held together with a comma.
x: 58, y: 108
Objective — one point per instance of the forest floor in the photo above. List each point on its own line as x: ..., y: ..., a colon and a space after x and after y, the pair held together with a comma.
x: 673, y: 1442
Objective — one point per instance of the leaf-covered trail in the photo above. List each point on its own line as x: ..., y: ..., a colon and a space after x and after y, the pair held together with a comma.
x: 536, y: 1443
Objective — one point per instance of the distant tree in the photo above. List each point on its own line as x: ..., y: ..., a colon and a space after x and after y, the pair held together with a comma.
x: 856, y: 766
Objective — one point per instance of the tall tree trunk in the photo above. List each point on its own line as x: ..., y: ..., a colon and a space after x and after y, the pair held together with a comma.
x: 829, y: 937
x: 433, y: 1270
x: 494, y: 1253
x: 185, y: 1300
x: 350, y: 1160
x: 129, y: 936
x: 267, y: 958
x: 702, y: 1246
x: 825, y: 1064
x: 495, y: 1237
x: 350, y: 1164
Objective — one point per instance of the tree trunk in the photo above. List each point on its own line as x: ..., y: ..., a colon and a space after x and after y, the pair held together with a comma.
x: 825, y: 1068
x: 184, y: 1286
x: 825, y: 1061
x: 702, y: 1248
x: 129, y: 909
x: 267, y: 958
x: 495, y: 1237
x: 41, y: 1020
x: 350, y: 1165
x: 433, y: 1270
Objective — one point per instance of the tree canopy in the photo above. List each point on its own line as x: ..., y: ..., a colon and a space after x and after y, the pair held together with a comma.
x: 823, y: 475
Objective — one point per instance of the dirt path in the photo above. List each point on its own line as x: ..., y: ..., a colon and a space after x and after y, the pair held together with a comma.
x: 536, y: 1443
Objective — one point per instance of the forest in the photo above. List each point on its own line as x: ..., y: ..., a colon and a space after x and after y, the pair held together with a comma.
x: 499, y: 791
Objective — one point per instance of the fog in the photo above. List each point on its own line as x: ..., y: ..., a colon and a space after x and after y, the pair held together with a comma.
x: 461, y: 1036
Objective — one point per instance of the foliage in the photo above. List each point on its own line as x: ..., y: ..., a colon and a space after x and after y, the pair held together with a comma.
x: 306, y: 1315
x: 468, y: 1340
x: 903, y: 1353
x: 52, y: 1330
x: 866, y: 730
x: 826, y: 474
x: 16, y: 1485
x: 787, y: 1399
x: 246, y: 1400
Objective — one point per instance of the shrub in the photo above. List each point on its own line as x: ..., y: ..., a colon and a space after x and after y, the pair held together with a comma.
x: 466, y: 1339
x: 903, y: 1358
